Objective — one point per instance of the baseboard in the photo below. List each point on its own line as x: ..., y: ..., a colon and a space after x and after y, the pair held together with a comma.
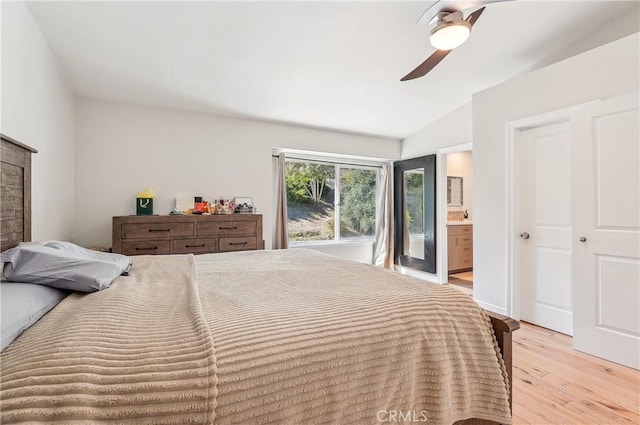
x: 491, y: 307
x: 429, y: 277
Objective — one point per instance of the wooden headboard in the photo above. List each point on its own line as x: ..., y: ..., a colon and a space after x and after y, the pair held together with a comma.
x: 15, y: 192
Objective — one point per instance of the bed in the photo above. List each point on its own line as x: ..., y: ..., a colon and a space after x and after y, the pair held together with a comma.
x: 261, y: 337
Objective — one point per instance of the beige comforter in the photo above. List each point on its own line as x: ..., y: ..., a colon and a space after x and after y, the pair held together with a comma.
x: 293, y: 337
x: 139, y: 352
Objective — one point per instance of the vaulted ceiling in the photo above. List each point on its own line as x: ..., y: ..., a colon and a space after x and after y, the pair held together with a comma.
x: 333, y: 65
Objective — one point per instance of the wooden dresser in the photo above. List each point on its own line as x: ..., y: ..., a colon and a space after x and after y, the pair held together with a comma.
x: 460, y: 247
x: 193, y: 234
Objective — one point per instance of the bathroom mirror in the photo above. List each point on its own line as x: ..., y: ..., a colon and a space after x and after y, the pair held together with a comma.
x: 414, y: 213
x: 454, y: 191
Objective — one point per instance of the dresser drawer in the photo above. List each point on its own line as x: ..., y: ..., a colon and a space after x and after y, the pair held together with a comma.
x: 465, y: 241
x: 465, y: 229
x: 238, y: 243
x: 189, y: 234
x: 195, y: 245
x: 465, y: 262
x: 149, y: 247
x: 156, y: 230
x: 226, y: 228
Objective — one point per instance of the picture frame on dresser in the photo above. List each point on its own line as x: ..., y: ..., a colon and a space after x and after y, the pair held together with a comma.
x: 188, y: 234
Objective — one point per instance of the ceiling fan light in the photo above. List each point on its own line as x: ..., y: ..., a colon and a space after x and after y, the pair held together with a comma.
x: 449, y: 35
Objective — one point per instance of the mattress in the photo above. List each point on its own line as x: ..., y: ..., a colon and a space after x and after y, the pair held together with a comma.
x: 261, y: 337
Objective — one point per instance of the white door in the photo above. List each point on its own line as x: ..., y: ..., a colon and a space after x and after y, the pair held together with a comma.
x: 544, y: 204
x: 606, y: 217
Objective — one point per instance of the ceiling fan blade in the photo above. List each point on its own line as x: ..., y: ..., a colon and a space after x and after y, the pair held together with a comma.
x: 474, y: 16
x: 450, y: 6
x: 438, y: 55
x: 427, y: 65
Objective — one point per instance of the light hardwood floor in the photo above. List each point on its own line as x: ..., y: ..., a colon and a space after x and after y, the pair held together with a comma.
x: 554, y: 384
x: 462, y: 280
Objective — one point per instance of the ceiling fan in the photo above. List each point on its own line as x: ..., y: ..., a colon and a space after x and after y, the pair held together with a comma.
x: 451, y: 29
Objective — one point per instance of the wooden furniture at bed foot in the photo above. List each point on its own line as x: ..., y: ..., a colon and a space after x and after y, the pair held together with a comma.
x: 195, y: 234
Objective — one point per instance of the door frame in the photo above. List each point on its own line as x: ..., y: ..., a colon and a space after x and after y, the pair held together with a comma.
x: 441, y: 192
x: 513, y: 130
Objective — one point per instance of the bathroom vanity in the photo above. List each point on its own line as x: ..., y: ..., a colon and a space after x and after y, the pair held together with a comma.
x: 460, y: 246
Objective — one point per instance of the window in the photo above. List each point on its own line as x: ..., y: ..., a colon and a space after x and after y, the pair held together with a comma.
x: 328, y: 202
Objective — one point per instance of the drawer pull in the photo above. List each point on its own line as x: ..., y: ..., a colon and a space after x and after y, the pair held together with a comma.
x: 237, y: 243
x: 159, y: 230
x: 228, y: 228
x: 195, y: 246
x: 146, y: 249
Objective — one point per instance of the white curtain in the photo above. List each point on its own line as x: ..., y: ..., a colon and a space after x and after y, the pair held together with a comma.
x: 281, y: 232
x: 383, y: 247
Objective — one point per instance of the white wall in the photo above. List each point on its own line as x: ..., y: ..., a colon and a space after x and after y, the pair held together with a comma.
x: 361, y: 252
x: 122, y: 149
x: 38, y: 110
x: 460, y: 164
x: 607, y: 71
x: 450, y: 130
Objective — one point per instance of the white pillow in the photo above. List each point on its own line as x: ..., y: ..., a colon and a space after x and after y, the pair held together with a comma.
x: 22, y: 305
x: 63, y: 265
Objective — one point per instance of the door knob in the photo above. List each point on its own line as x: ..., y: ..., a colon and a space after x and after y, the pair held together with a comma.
x: 582, y: 239
x: 524, y: 235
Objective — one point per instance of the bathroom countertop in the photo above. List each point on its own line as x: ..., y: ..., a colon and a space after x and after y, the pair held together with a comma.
x: 459, y: 223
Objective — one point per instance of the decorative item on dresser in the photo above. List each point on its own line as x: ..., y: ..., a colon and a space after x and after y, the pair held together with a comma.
x: 460, y: 247
x: 191, y: 234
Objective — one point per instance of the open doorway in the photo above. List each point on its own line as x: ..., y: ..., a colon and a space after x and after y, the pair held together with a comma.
x: 459, y: 217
